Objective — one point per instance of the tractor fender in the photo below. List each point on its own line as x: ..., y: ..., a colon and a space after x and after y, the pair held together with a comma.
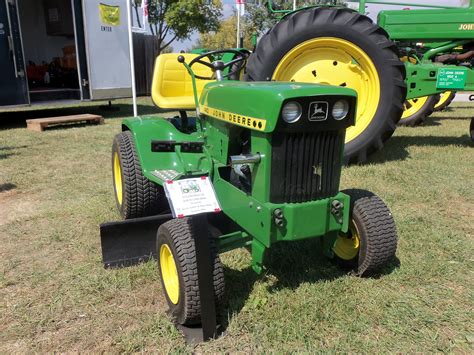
x: 146, y: 130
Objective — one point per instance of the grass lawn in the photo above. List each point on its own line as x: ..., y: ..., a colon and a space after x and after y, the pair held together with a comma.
x: 55, y: 189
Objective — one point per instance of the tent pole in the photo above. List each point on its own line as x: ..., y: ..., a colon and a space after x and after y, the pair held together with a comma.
x: 238, y: 25
x: 132, y: 59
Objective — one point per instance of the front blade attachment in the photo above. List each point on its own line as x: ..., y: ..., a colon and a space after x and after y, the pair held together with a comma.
x: 130, y: 242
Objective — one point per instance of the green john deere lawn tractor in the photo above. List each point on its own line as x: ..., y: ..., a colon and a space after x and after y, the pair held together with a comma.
x: 269, y: 155
x: 398, y: 67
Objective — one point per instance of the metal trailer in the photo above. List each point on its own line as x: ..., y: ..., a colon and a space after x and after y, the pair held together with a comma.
x: 63, y: 50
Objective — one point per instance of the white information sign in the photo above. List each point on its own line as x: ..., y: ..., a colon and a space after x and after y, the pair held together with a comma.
x: 193, y: 196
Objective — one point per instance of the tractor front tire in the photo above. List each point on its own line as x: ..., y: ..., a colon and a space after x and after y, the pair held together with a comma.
x: 178, y: 270
x: 340, y: 47
x: 445, y: 100
x: 416, y: 110
x: 372, y: 239
x: 135, y: 195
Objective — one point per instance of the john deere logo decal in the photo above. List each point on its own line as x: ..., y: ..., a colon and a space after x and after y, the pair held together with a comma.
x: 466, y: 27
x: 318, y: 111
x: 240, y: 120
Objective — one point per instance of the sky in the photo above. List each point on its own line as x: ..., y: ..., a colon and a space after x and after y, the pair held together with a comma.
x: 229, y: 6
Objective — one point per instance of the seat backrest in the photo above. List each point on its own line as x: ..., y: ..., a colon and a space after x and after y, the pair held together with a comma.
x: 172, y: 86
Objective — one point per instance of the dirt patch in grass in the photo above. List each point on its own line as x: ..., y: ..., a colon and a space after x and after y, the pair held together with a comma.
x: 15, y: 205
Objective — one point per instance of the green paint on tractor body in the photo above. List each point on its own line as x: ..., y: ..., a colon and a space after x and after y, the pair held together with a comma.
x: 443, y: 30
x: 147, y: 129
x: 232, y: 112
x: 259, y: 101
x: 434, y: 25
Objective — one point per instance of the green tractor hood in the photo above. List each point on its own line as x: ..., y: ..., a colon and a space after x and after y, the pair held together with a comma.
x: 257, y: 105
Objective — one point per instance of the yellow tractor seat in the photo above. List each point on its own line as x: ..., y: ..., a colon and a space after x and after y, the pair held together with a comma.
x: 172, y: 87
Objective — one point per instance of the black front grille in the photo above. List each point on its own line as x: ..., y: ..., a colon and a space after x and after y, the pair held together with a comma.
x: 305, y: 166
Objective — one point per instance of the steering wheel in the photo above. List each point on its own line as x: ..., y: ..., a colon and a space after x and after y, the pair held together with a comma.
x: 239, y: 63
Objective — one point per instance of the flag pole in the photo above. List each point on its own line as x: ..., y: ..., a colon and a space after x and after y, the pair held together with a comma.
x: 132, y: 59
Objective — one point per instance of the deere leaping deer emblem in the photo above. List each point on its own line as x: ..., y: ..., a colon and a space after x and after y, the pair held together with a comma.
x: 318, y: 111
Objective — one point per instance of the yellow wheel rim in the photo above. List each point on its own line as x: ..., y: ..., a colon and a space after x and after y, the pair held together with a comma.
x: 412, y: 106
x: 169, y: 273
x: 347, y: 248
x: 334, y: 61
x: 444, y: 97
x: 118, y: 178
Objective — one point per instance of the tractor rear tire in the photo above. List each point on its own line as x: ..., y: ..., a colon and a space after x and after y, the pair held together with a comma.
x: 135, y: 195
x: 372, y: 240
x: 416, y: 110
x: 445, y: 100
x: 178, y: 270
x: 338, y: 46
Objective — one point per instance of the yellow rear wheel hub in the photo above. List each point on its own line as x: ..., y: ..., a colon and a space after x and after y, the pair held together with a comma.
x: 412, y: 106
x: 118, y: 178
x: 444, y: 97
x: 334, y: 61
x: 347, y: 247
x: 169, y: 273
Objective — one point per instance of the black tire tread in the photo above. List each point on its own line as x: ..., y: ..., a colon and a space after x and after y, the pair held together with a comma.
x: 141, y: 197
x: 181, y: 232
x: 418, y: 117
x: 452, y: 96
x: 378, y: 225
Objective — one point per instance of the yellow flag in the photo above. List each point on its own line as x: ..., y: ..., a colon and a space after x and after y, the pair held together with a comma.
x: 109, y: 15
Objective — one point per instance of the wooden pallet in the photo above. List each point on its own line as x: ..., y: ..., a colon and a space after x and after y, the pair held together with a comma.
x: 41, y: 123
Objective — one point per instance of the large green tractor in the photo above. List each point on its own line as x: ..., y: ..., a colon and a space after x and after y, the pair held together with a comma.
x: 398, y: 67
x: 269, y: 154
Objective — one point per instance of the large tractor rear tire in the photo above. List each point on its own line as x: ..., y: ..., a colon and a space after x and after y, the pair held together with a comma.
x: 135, y: 195
x: 445, y: 100
x: 416, y: 110
x: 338, y: 46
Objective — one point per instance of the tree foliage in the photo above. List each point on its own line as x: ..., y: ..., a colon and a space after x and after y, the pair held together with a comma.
x: 257, y: 20
x: 172, y: 20
x: 225, y: 37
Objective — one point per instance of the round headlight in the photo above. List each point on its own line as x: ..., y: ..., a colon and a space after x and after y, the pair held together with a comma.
x: 291, y: 112
x: 340, y: 110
